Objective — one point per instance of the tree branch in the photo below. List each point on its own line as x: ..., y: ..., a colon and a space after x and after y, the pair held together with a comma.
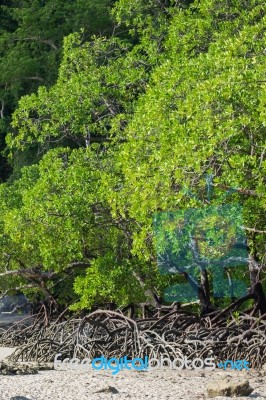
x: 45, y: 41
x: 2, y: 109
x: 17, y: 289
x: 252, y: 229
x: 247, y: 192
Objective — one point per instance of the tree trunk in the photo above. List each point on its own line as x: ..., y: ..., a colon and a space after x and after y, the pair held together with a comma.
x: 256, y: 287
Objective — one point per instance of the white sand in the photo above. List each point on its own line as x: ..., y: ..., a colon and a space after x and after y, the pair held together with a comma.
x: 6, y: 351
x: 156, y: 385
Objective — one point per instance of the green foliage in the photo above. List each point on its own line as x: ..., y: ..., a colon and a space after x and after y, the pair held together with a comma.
x: 202, y: 113
x: 133, y: 127
x: 102, y: 85
x: 54, y: 219
x: 31, y: 39
x: 108, y: 279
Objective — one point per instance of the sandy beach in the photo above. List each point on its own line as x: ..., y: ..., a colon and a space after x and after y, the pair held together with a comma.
x: 96, y: 385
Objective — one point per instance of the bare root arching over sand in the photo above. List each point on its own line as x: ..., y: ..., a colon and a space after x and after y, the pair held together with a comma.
x: 113, y: 334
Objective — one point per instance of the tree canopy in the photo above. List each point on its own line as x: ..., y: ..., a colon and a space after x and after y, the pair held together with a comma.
x: 31, y: 42
x: 166, y: 116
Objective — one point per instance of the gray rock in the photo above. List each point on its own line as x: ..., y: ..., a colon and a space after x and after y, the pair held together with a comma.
x: 107, y: 389
x: 44, y: 366
x: 16, y: 369
x: 224, y: 387
x: 19, y: 398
